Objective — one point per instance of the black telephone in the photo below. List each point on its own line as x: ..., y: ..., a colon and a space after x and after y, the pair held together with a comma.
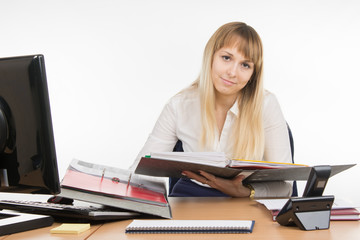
x: 312, y: 210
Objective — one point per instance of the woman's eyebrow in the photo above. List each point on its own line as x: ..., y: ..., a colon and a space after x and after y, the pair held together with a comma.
x: 224, y: 51
x: 229, y: 53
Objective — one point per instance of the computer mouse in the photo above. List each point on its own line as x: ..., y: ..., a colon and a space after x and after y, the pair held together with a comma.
x: 60, y: 200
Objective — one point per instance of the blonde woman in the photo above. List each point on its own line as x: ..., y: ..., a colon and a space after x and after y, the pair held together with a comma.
x: 226, y: 110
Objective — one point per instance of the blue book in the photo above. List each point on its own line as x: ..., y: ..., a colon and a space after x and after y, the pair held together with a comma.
x: 190, y: 226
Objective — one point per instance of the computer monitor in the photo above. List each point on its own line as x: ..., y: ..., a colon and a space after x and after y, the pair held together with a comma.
x: 27, y: 150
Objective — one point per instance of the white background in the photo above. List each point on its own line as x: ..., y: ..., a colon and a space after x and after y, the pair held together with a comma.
x: 113, y: 64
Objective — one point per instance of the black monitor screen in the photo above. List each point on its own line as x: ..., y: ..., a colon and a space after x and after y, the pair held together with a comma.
x: 27, y: 149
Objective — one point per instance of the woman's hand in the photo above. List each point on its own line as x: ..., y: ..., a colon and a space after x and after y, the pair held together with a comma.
x: 232, y: 187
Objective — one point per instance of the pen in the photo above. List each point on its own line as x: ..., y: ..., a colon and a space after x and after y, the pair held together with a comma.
x: 128, y: 183
x: 102, y: 176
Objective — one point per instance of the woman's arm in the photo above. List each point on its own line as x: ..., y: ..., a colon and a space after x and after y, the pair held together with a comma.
x: 163, y: 136
x: 277, y: 149
x: 233, y: 187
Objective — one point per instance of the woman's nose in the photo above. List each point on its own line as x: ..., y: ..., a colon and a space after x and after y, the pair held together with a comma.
x: 231, y: 71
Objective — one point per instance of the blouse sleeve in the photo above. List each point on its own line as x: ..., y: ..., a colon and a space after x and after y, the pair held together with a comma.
x: 277, y: 142
x: 163, y: 136
x: 277, y: 147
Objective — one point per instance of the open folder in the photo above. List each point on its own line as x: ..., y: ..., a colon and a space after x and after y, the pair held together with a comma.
x: 172, y: 164
x: 115, y: 187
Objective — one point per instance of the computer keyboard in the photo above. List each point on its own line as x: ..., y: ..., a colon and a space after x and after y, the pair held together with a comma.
x: 77, y: 213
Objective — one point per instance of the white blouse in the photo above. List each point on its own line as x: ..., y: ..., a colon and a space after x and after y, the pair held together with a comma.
x: 181, y: 120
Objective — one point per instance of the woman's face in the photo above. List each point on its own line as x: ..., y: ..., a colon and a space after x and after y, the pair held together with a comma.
x: 230, y: 71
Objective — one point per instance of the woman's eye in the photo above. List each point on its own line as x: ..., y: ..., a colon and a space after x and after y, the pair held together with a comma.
x: 245, y: 65
x: 226, y: 58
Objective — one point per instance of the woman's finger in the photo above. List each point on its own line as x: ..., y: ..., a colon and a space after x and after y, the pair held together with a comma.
x: 208, y: 176
x: 195, y: 176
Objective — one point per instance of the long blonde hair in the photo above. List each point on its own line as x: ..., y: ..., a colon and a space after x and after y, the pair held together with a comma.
x: 248, y: 132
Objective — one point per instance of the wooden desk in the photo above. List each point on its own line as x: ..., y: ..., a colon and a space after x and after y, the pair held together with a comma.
x: 44, y: 233
x: 209, y: 208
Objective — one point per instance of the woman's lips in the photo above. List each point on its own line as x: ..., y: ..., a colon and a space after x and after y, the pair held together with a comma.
x: 227, y: 82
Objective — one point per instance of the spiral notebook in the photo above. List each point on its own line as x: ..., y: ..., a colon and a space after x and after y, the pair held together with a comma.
x: 190, y: 226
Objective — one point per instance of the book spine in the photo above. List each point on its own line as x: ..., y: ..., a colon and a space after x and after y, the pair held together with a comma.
x: 218, y: 231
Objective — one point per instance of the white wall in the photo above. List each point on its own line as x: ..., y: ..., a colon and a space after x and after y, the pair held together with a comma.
x: 112, y: 65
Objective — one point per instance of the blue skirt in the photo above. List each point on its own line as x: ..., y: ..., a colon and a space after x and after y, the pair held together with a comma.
x: 184, y: 187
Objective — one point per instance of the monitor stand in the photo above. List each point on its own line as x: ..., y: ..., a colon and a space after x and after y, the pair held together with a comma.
x: 14, y: 222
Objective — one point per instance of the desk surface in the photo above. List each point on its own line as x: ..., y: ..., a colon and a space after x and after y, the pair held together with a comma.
x: 208, y: 208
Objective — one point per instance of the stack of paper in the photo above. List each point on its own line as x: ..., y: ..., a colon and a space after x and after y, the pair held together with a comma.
x: 71, y: 228
x: 341, y: 210
x: 218, y: 159
x: 253, y: 164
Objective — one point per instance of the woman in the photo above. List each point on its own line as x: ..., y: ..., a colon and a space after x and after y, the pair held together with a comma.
x: 226, y: 110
